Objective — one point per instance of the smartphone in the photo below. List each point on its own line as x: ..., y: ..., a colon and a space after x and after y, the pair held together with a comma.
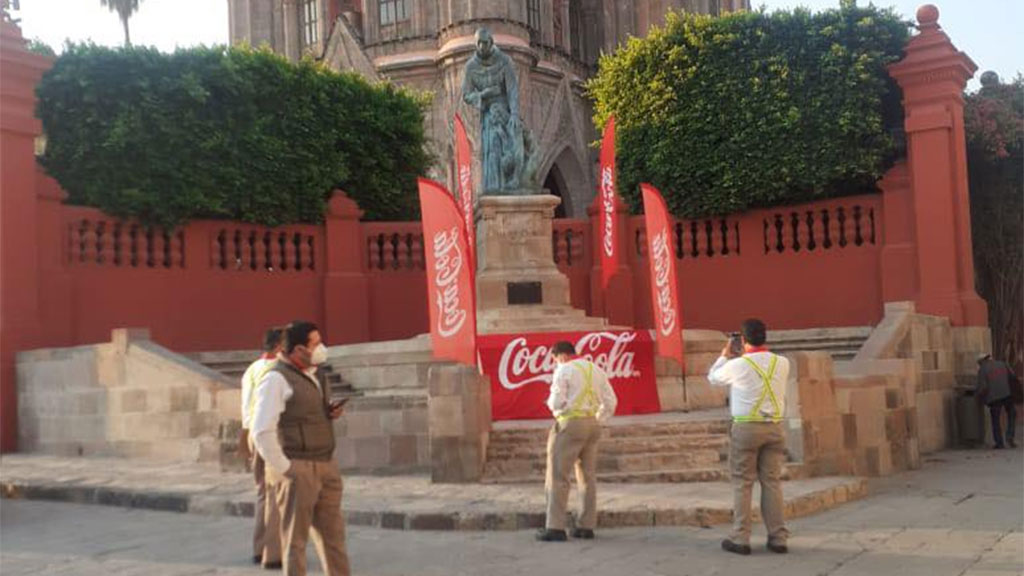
x: 339, y: 402
x: 735, y: 344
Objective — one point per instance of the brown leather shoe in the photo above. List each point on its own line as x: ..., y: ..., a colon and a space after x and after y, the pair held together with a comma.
x: 546, y: 535
x: 778, y: 548
x: 583, y: 533
x: 730, y: 546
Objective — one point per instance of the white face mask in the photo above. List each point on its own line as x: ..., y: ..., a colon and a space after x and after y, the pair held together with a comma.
x: 319, y: 355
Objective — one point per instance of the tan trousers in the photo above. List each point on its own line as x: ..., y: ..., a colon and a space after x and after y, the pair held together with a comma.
x: 757, y: 450
x: 309, y: 496
x: 573, y: 444
x: 266, y: 536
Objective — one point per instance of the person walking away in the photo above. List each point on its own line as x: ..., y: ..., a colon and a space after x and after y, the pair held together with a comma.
x: 994, y: 389
x: 580, y: 399
x: 294, y: 434
x: 757, y: 449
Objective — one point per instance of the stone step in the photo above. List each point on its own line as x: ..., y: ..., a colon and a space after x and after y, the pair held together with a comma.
x: 709, y: 474
x: 623, y: 445
x: 615, y: 430
x: 642, y: 462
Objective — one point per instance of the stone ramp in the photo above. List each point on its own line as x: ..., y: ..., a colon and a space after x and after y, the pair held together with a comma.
x: 396, y: 502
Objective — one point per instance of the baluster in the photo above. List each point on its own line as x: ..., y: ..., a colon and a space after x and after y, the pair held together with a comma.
x: 417, y: 252
x: 694, y: 243
x: 259, y: 251
x: 858, y: 238
x: 764, y: 223
x: 177, y: 249
x: 871, y: 218
x: 104, y: 246
x: 556, y: 236
x: 736, y: 236
x: 579, y: 245
x: 388, y: 255
x: 288, y: 251
x: 305, y: 252
x: 794, y: 224
x: 88, y: 242
x: 157, y: 247
x: 811, y: 232
x: 217, y: 250
x: 138, y: 249
x: 117, y: 243
x: 779, y: 241
x: 401, y: 252
x: 709, y: 238
x: 826, y: 227
x: 677, y: 240
x: 724, y: 229
x: 244, y: 258
x: 841, y: 217
x: 373, y: 252
x: 641, y: 243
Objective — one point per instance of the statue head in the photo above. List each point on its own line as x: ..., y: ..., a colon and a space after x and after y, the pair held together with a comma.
x: 484, y: 43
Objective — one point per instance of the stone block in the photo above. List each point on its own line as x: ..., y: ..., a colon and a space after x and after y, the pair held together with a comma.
x: 896, y: 426
x: 89, y: 403
x: 414, y: 420
x: 372, y: 452
x: 402, y: 451
x: 204, y: 424
x: 184, y: 399
x: 870, y: 429
x: 363, y: 425
x: 893, y: 398
x: 843, y: 396
x: 849, y: 423
x: 134, y: 400
x: 879, y: 460
x: 929, y: 360
x: 868, y: 400
x: 345, y: 452
x: 392, y: 422
x: 670, y: 394
x: 829, y: 434
x: 445, y: 413
x: 455, y: 459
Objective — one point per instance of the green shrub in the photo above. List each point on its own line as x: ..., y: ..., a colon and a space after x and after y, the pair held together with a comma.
x: 754, y: 109
x: 233, y: 133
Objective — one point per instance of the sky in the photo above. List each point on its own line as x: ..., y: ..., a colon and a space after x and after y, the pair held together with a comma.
x: 988, y: 30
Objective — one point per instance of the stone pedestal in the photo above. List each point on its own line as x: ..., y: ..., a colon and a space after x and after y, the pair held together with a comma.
x: 459, y: 420
x: 518, y: 286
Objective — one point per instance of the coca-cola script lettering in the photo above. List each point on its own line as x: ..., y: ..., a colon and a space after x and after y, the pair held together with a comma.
x: 608, y: 200
x: 448, y: 262
x: 521, y: 364
x: 662, y: 266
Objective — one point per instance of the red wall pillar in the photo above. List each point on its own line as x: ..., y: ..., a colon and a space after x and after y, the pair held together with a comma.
x: 20, y: 328
x: 615, y: 304
x: 346, y: 285
x: 933, y: 74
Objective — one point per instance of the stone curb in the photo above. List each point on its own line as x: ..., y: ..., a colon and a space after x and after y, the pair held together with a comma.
x: 820, y: 500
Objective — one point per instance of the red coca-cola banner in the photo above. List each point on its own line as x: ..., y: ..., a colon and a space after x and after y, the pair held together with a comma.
x: 606, y: 191
x: 664, y: 294
x: 520, y: 367
x: 463, y: 163
x: 449, y: 275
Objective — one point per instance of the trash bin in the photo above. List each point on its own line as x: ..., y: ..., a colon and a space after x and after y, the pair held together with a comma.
x: 970, y: 418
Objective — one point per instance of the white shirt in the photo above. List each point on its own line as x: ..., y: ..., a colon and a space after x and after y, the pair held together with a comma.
x: 746, y: 385
x: 272, y: 393
x: 569, y: 382
x: 249, y: 381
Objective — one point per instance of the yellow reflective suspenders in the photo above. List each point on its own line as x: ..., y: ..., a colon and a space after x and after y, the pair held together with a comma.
x: 766, y: 378
x: 586, y: 403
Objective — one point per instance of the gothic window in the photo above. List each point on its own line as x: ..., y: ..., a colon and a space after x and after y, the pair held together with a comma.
x: 575, y: 30
x: 533, y: 18
x: 309, y: 15
x: 393, y: 11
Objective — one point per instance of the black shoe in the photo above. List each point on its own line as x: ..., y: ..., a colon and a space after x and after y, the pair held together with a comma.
x: 257, y: 559
x: 583, y: 533
x: 1012, y: 443
x: 546, y: 535
x: 778, y: 548
x: 997, y: 447
x: 730, y: 546
x: 273, y: 566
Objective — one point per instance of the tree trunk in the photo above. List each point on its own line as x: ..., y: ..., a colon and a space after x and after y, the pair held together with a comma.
x: 127, y: 39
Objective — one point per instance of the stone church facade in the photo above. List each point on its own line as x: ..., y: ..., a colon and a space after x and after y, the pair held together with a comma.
x: 424, y: 45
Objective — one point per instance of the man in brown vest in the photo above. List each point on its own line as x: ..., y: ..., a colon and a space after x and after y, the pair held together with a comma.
x: 293, y: 432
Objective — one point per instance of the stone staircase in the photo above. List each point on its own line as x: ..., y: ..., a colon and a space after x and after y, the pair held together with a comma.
x: 671, y: 447
x: 841, y: 343
x: 233, y: 364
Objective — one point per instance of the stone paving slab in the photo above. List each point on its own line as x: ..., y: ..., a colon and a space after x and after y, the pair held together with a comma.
x: 393, y: 502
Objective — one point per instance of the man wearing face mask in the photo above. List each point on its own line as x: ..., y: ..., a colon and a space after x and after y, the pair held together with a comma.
x: 293, y: 432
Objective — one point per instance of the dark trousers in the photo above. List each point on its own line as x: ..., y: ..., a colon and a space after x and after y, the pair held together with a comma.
x: 994, y: 410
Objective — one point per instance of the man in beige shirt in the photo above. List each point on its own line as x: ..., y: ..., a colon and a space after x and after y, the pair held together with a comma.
x: 294, y: 433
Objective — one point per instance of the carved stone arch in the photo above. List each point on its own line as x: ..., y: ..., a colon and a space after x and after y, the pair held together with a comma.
x: 563, y: 173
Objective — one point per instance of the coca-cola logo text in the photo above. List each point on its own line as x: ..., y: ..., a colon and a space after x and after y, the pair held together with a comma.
x: 608, y: 205
x: 447, y: 264
x: 661, y: 260
x: 521, y: 364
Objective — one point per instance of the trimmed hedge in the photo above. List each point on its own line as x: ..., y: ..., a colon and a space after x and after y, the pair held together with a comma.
x: 230, y: 133
x: 753, y: 109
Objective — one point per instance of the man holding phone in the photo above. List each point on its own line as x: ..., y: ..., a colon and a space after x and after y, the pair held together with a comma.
x: 757, y: 441
x: 294, y: 433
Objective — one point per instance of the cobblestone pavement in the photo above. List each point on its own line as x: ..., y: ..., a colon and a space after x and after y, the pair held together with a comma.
x: 961, y: 515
